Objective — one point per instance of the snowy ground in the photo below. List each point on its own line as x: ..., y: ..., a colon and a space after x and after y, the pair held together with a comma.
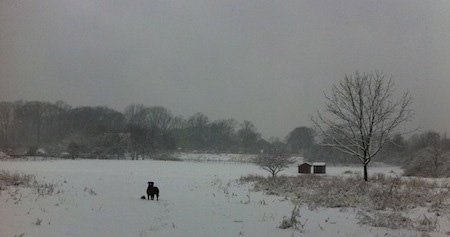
x: 101, y: 198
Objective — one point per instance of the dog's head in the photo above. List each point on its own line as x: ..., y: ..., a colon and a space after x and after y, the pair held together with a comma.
x: 151, y: 183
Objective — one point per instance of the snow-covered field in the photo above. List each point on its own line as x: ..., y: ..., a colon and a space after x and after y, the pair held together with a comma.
x: 102, y: 198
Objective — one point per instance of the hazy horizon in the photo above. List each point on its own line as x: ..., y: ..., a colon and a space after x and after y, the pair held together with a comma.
x: 268, y: 62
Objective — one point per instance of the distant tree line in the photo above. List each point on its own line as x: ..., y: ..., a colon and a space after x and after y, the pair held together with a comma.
x: 139, y: 130
x: 422, y: 154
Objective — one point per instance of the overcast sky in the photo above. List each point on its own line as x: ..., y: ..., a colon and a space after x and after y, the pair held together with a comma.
x: 265, y: 61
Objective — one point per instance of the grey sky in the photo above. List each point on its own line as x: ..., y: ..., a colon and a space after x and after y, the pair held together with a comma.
x: 264, y: 61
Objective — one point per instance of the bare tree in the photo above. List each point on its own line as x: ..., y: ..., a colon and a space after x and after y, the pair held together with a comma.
x: 437, y: 152
x: 159, y: 117
x: 36, y: 115
x: 6, y: 120
x: 248, y: 135
x: 274, y: 162
x: 135, y: 121
x: 362, y: 115
x: 301, y: 139
x: 132, y: 111
x: 198, y: 125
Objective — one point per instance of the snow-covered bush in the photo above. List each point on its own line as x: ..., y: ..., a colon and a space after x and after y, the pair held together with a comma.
x: 164, y: 156
x: 8, y: 179
x: 429, y: 163
x: 393, y: 220
x: 4, y: 156
x: 396, y: 220
x: 293, y: 221
x: 273, y: 162
x: 15, y: 179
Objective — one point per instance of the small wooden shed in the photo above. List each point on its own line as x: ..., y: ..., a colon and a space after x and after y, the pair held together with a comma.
x: 304, y: 168
x: 319, y: 167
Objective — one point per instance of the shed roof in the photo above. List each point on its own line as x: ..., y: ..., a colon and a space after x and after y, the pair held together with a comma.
x: 306, y: 163
x: 319, y: 164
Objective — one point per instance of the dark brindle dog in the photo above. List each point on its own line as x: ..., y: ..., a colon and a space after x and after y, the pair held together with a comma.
x: 152, y: 191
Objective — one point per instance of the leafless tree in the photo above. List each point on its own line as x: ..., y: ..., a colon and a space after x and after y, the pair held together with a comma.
x: 135, y: 119
x: 437, y: 152
x: 132, y: 113
x: 361, y: 115
x: 36, y: 115
x: 6, y: 119
x: 274, y: 162
x: 249, y: 135
x: 159, y: 117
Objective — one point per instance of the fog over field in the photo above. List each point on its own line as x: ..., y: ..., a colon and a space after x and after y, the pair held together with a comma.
x: 217, y: 102
x: 263, y: 61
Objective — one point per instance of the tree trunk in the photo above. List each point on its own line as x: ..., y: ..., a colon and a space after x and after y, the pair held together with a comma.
x: 38, y: 134
x: 365, y: 173
x: 6, y: 135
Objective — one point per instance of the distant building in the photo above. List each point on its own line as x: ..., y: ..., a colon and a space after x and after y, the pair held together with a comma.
x: 304, y: 168
x: 319, y: 167
x: 41, y: 152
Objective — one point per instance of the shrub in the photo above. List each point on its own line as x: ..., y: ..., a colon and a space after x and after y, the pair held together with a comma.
x: 15, y: 179
x: 25, y: 180
x: 292, y: 221
x: 273, y: 162
x: 32, y: 151
x: 393, y: 220
x: 165, y: 156
x: 428, y: 164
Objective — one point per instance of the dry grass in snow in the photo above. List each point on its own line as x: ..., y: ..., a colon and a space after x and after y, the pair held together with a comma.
x: 384, y: 201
